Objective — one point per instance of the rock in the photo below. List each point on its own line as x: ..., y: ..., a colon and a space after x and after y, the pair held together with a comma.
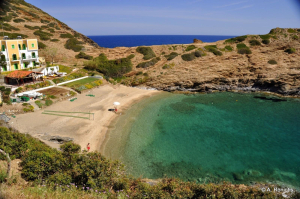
x: 198, y: 41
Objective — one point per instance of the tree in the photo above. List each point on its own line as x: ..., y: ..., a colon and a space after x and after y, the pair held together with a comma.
x: 2, y: 61
x: 52, y: 52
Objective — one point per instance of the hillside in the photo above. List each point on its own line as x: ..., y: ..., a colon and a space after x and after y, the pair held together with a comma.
x: 21, y: 18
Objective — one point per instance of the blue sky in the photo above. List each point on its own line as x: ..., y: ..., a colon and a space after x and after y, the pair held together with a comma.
x: 173, y: 17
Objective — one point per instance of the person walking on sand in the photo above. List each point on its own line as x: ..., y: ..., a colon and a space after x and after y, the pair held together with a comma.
x: 88, y: 147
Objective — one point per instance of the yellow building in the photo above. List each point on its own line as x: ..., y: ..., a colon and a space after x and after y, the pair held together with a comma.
x: 19, y: 53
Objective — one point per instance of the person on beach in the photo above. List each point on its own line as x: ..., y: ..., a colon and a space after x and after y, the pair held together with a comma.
x: 116, y: 110
x: 88, y: 147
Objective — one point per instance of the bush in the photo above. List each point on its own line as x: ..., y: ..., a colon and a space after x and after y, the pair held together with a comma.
x: 272, y: 61
x: 254, y: 42
x: 188, y: 57
x: 290, y: 50
x: 131, y: 56
x: 244, y: 51
x: 267, y: 36
x: 43, y: 35
x: 295, y: 37
x: 146, y: 51
x: 213, y: 49
x: 9, y: 27
x: 197, y: 53
x: 236, y: 39
x: 44, y: 21
x: 266, y: 41
x: 32, y: 27
x: 39, y: 104
x: 28, y: 109
x: 190, y: 47
x: 66, y: 35
x: 54, y: 40
x: 82, y: 55
x: 73, y: 44
x: 240, y: 46
x: 147, y: 64
x: 291, y: 30
x: 41, y: 45
x: 229, y: 48
x: 18, y: 20
x: 14, y: 35
x: 51, y: 30
x: 48, y: 102
x: 171, y: 56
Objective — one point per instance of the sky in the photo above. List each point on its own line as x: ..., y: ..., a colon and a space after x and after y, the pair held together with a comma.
x: 173, y: 17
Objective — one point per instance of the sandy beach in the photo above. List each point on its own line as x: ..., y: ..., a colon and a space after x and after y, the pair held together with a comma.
x: 83, y: 131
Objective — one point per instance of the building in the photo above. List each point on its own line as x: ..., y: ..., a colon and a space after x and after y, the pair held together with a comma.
x: 21, y: 77
x: 19, y: 53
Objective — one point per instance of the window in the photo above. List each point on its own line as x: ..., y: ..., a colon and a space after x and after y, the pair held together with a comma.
x: 32, y: 45
x: 33, y: 63
x: 14, y: 57
x: 3, y: 48
x: 20, y: 47
x: 3, y: 58
x: 4, y: 68
x: 23, y: 56
x: 24, y: 47
x: 33, y: 55
x: 13, y: 46
x: 25, y: 65
x: 16, y: 66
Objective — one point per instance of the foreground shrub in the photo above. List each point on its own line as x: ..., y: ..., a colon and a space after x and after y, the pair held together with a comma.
x: 146, y: 51
x: 272, y: 61
x: 213, y: 49
x: 14, y: 35
x: 67, y: 78
x: 291, y: 30
x: 254, y: 42
x: 147, y: 64
x: 32, y: 27
x: 73, y: 44
x: 54, y: 40
x: 290, y: 50
x: 18, y: 20
x: 190, y: 47
x: 171, y: 56
x: 188, y: 57
x: 48, y: 102
x: 82, y: 55
x: 66, y: 35
x: 265, y: 41
x: 244, y: 51
x: 241, y: 45
x: 43, y: 35
x: 236, y: 39
x: 41, y: 45
x: 9, y: 27
x: 131, y: 56
x: 229, y: 48
x: 197, y: 53
x: 295, y: 37
x: 267, y: 36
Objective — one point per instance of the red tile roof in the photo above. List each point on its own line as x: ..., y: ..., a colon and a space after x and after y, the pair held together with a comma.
x: 19, y: 74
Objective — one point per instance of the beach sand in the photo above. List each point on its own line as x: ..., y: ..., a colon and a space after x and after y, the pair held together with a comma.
x: 83, y: 131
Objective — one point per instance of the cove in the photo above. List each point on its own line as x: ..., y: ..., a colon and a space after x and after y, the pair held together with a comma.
x: 237, y: 137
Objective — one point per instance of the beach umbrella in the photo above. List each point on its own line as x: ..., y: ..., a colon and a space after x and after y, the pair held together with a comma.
x: 116, y: 103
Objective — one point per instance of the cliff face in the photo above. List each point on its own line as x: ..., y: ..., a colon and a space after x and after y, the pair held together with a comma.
x: 21, y: 18
x: 274, y: 66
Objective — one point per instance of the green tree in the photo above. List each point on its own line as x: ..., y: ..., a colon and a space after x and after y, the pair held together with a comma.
x: 3, y: 63
x: 52, y: 52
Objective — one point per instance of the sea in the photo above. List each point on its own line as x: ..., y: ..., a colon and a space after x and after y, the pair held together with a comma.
x: 215, y: 137
x: 149, y: 40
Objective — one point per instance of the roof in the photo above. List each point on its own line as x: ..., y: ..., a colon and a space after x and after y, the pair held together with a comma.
x: 38, y: 70
x: 19, y: 74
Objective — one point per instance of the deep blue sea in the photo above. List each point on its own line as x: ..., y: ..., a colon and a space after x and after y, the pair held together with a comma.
x: 149, y: 40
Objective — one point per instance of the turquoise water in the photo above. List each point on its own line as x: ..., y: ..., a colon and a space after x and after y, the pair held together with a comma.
x: 210, y: 138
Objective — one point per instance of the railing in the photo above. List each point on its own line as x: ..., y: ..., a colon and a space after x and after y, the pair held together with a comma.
x: 29, y: 57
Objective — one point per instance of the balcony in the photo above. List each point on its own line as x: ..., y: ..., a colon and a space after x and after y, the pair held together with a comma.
x: 15, y: 58
x: 29, y: 57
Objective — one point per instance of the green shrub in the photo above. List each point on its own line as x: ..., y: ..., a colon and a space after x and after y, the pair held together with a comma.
x: 210, y: 46
x: 131, y: 56
x: 43, y: 35
x: 197, y: 53
x: 52, y: 25
x: 82, y: 55
x: 267, y: 36
x: 73, y: 44
x: 254, y: 42
x: 32, y: 27
x: 146, y: 51
x: 44, y: 21
x: 272, y: 61
x: 171, y: 56
x: 54, y: 40
x: 139, y: 73
x: 41, y: 45
x: 213, y: 49
x: 9, y: 27
x: 51, y: 30
x: 3, y: 176
x: 266, y: 41
x: 188, y: 57
x: 18, y: 20
x: 241, y: 45
x: 66, y: 35
x: 295, y: 37
x: 19, y: 90
x: 28, y: 109
x: 190, y: 47
x: 39, y: 104
x: 13, y: 35
x: 290, y: 50
x: 236, y: 39
x: 147, y: 64
x: 291, y: 30
x: 229, y: 48
x: 244, y: 51
x: 48, y: 102
x: 44, y: 27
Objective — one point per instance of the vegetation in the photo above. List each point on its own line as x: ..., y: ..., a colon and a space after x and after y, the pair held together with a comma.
x: 290, y: 50
x: 39, y: 103
x: 188, y: 57
x: 254, y: 42
x: 18, y: 20
x: 267, y: 36
x: 290, y: 30
x: 243, y: 49
x: 265, y: 41
x: 84, y: 84
x: 147, y: 64
x: 110, y: 68
x: 172, y: 55
x: 168, y: 66
x: 272, y: 61
x: 9, y: 27
x: 51, y: 30
x: 28, y: 108
x: 229, y: 48
x: 43, y: 35
x: 70, y: 173
x: 66, y: 35
x: 68, y: 77
x: 197, y: 53
x: 13, y: 35
x: 73, y: 44
x: 54, y: 40
x: 146, y: 51
x: 131, y: 56
x: 44, y: 21
x: 32, y: 27
x: 48, y: 102
x: 41, y: 45
x: 82, y: 55
x: 295, y: 37
x: 190, y: 47
x: 213, y: 49
x: 65, y: 69
x: 236, y: 39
